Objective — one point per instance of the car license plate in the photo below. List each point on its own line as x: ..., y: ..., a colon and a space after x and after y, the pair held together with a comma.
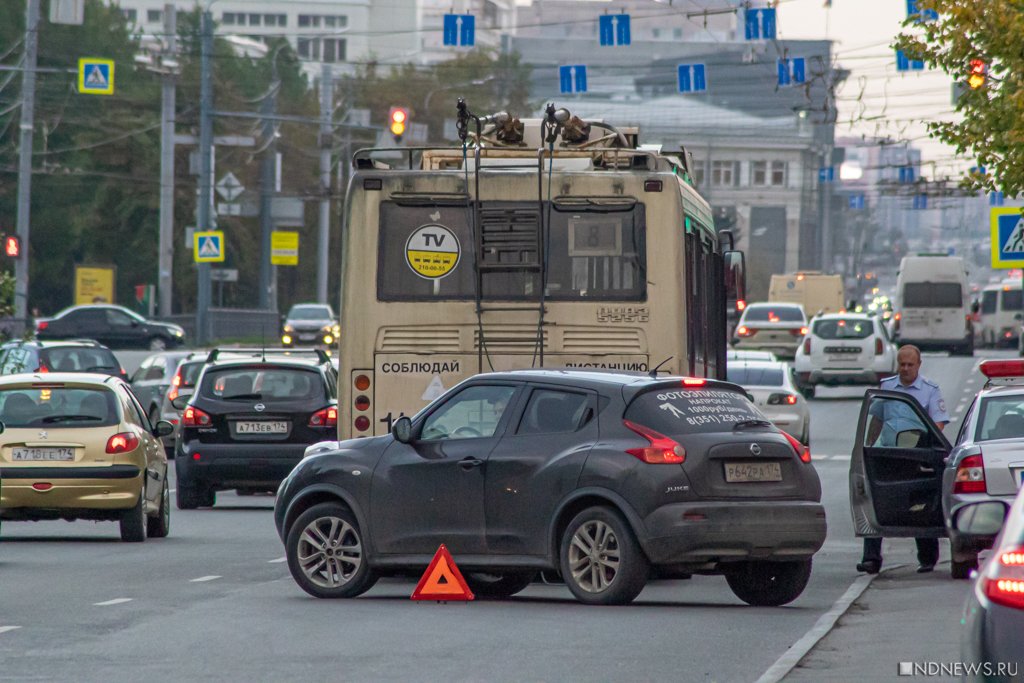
x: 43, y: 454
x: 261, y: 427
x: 307, y: 337
x: 752, y: 471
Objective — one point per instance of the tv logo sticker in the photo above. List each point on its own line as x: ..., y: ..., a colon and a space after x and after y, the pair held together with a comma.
x: 432, y: 251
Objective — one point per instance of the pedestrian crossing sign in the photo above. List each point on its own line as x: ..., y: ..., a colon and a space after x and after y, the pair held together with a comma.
x: 1007, y: 224
x: 95, y: 76
x: 208, y: 247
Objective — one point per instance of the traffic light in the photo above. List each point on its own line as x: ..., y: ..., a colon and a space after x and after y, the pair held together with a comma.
x: 12, y: 246
x: 398, y: 119
x: 977, y: 74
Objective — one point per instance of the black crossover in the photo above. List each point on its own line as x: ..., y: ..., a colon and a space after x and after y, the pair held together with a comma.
x: 115, y: 326
x: 250, y: 419
x: 605, y: 478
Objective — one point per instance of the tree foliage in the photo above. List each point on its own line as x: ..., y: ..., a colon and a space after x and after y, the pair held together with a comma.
x: 991, y: 125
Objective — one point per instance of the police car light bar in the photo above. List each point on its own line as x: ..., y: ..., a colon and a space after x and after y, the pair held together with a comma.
x: 996, y: 369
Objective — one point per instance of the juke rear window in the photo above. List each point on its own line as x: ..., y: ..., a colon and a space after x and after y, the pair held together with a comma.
x: 57, y: 406
x: 691, y: 411
x: 263, y: 383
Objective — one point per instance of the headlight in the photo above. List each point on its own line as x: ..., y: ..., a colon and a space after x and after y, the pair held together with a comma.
x: 288, y: 329
x: 328, y: 339
x: 337, y: 331
x: 285, y: 339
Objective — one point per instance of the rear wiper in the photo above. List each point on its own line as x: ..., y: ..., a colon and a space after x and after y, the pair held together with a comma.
x: 239, y: 397
x: 743, y: 424
x: 69, y: 418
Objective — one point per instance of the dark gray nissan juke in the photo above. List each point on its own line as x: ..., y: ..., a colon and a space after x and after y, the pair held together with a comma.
x: 605, y: 478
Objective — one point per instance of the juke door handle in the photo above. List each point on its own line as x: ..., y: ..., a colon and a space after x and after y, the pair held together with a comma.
x: 470, y: 462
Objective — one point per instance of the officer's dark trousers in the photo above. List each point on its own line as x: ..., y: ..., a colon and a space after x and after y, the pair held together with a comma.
x: 927, y: 550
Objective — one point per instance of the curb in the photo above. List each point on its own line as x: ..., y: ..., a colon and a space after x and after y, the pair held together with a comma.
x: 826, y: 622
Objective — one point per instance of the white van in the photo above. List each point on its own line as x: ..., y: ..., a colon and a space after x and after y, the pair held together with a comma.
x: 933, y: 304
x: 1000, y: 316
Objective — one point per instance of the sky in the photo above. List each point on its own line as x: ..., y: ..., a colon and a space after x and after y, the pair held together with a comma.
x: 876, y: 100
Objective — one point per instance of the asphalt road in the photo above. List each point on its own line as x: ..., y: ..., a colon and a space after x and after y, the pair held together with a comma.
x: 214, y: 601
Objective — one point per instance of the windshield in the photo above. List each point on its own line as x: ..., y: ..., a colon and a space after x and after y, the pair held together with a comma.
x: 932, y: 295
x: 759, y: 377
x: 843, y: 328
x: 426, y: 252
x: 1012, y: 299
x: 263, y: 384
x: 691, y: 411
x: 78, y: 359
x: 57, y: 406
x: 773, y: 314
x: 310, y: 313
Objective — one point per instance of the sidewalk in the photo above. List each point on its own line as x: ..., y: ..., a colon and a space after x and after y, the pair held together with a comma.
x: 903, y: 616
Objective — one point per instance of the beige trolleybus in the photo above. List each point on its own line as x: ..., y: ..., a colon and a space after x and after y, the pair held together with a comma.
x: 549, y: 242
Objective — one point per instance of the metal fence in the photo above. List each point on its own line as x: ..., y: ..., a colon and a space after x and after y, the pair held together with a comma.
x: 233, y: 323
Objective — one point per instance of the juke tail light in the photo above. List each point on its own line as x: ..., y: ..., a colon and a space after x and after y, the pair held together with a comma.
x: 325, y: 417
x: 125, y: 442
x: 661, y: 451
x: 1004, y: 582
x: 802, y: 451
x: 194, y: 417
x: 970, y: 475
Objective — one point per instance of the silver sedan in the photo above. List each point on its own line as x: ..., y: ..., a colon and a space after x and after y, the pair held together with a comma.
x: 775, y: 394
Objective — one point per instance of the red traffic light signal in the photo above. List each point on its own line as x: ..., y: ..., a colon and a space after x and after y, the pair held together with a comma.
x: 977, y: 73
x: 398, y: 119
x: 12, y: 246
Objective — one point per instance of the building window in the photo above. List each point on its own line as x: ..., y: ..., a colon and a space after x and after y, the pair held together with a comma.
x: 255, y: 19
x: 779, y: 173
x: 725, y: 173
x: 131, y: 15
x: 303, y: 47
x: 228, y: 18
x: 656, y: 33
x: 677, y: 33
x: 759, y: 173
x: 334, y: 50
x: 154, y: 16
x: 304, y: 20
x: 698, y: 172
x: 282, y: 20
x: 342, y: 21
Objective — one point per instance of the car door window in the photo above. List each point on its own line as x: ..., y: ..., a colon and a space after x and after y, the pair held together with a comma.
x: 118, y: 319
x: 136, y: 414
x: 140, y: 374
x: 964, y: 431
x: 550, y: 412
x: 473, y: 413
x: 893, y: 423
x: 155, y: 373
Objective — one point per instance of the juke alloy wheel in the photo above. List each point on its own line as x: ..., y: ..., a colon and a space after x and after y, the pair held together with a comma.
x: 602, y: 564
x: 325, y: 553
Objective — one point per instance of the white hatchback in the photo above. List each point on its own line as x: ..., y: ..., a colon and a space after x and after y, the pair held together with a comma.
x: 775, y: 394
x: 848, y: 348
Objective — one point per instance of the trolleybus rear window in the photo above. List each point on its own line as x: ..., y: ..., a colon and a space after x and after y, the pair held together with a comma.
x: 593, y: 253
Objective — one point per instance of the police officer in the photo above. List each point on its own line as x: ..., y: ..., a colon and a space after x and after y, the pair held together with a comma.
x: 884, y: 429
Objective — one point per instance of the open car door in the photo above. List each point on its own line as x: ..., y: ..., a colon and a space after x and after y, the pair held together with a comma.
x: 896, y: 468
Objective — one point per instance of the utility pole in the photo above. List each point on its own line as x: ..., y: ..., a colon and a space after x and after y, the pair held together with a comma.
x: 28, y: 102
x: 267, y: 186
x: 326, y: 133
x: 204, y: 215
x: 166, y: 239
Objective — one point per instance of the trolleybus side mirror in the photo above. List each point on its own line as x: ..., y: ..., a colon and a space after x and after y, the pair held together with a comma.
x: 402, y: 430
x: 735, y: 277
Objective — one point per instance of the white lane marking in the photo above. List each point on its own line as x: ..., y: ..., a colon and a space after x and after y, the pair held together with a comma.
x: 277, y: 560
x: 173, y: 491
x: 203, y: 579
x: 826, y: 622
x: 5, y: 629
x: 115, y: 601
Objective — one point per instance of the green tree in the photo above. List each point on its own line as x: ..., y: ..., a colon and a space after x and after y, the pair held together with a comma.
x: 488, y: 80
x: 991, y: 125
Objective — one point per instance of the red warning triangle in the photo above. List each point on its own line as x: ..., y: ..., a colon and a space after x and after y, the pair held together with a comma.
x: 442, y: 580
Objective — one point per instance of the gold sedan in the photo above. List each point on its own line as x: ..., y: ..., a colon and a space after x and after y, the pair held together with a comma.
x: 79, y: 446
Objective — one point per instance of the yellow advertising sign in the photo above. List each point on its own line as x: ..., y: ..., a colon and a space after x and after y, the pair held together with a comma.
x: 432, y: 251
x: 94, y: 285
x: 284, y: 248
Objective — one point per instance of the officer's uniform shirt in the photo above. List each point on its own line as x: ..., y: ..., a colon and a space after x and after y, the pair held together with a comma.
x: 898, y: 417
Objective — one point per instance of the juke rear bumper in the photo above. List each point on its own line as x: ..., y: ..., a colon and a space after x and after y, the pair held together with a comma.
x: 727, y: 531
